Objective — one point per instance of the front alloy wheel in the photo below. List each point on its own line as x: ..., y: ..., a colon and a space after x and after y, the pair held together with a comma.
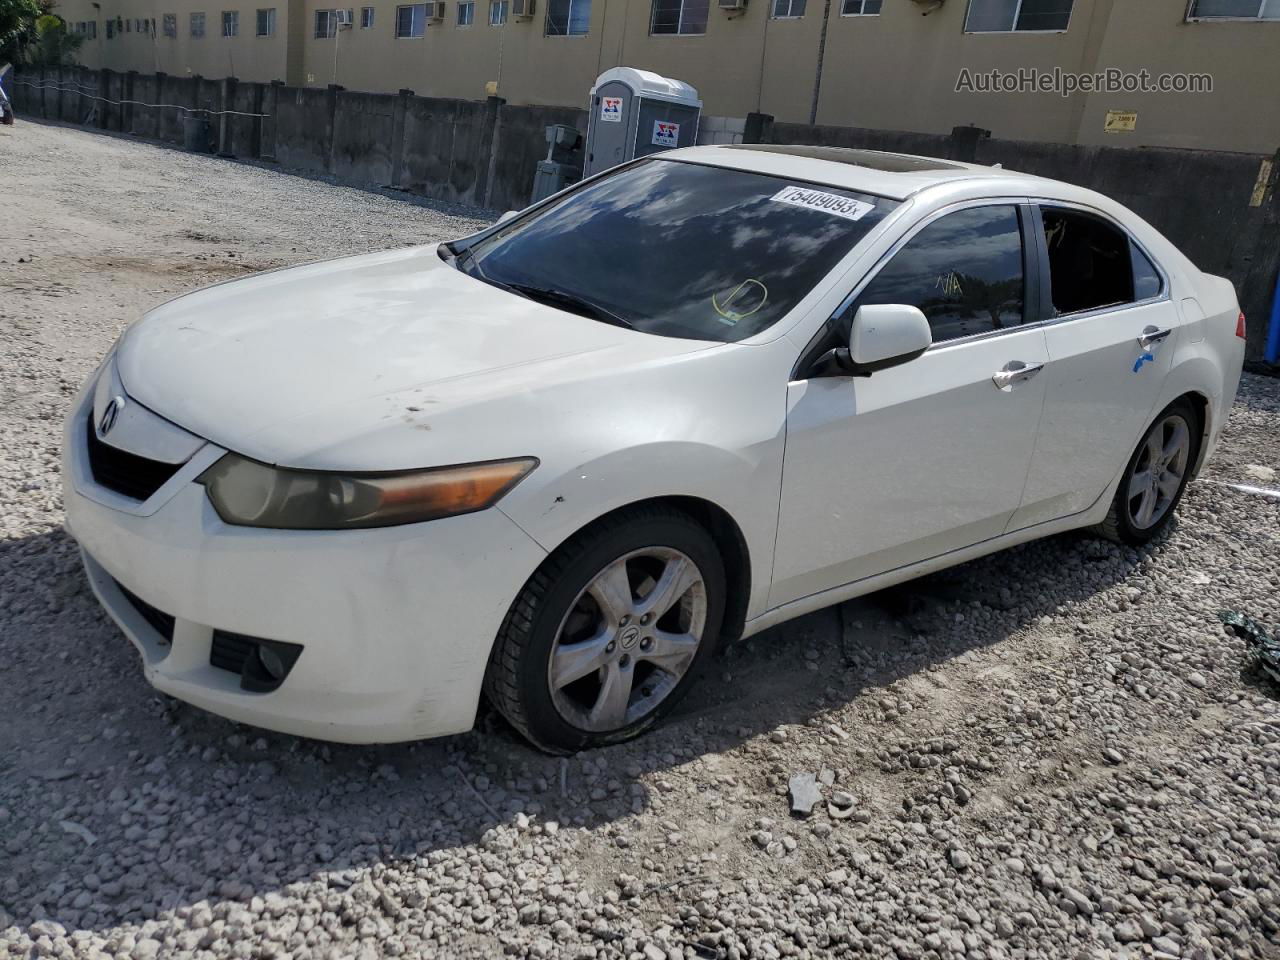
x: 628, y: 640
x: 610, y: 631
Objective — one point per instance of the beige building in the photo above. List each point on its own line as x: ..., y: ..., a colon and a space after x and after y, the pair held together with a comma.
x: 916, y: 65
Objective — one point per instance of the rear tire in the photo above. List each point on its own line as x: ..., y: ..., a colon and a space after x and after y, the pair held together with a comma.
x: 610, y: 632
x: 1155, y: 477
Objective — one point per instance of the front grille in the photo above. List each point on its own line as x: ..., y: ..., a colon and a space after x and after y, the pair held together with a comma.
x: 126, y: 473
x: 160, y: 621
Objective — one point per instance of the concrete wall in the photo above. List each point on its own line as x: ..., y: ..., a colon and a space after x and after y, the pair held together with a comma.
x: 896, y: 70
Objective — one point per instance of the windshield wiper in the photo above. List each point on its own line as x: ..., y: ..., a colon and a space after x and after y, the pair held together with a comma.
x: 570, y: 301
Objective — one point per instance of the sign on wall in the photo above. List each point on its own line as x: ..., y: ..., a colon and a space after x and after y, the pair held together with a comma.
x: 665, y: 133
x: 611, y: 109
x: 1121, y: 121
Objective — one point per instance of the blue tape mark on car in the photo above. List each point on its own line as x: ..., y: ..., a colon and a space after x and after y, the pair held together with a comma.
x: 1137, y: 365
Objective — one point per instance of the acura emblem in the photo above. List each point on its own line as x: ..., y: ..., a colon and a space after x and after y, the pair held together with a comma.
x: 109, y: 415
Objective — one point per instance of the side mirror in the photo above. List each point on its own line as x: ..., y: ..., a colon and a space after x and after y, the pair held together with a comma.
x: 507, y: 216
x: 881, y: 336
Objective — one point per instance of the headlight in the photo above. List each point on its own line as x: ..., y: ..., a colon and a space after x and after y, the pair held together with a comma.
x: 252, y: 494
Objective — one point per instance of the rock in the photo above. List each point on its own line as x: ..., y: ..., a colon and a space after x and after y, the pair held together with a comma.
x: 1197, y: 680
x: 79, y: 830
x: 1129, y: 932
x: 1081, y: 904
x: 960, y: 859
x: 804, y: 792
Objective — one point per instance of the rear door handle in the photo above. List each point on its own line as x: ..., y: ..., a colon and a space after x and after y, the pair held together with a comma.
x: 1151, y: 336
x: 1014, y: 372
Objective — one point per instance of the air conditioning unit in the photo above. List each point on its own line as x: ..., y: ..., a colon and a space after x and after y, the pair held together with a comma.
x: 435, y: 10
x: 342, y: 17
x: 733, y: 4
x: 522, y: 9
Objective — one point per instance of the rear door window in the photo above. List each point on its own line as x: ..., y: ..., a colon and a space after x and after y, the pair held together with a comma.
x: 964, y: 271
x: 1091, y: 262
x: 1146, y: 278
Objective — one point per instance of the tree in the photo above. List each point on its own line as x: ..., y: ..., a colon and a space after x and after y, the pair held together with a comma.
x: 31, y: 33
x: 55, y: 45
x: 17, y: 27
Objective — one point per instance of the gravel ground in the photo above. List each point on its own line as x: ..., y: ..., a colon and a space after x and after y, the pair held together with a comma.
x: 1054, y: 752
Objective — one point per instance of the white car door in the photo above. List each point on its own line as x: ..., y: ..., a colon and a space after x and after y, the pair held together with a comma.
x: 1110, y: 346
x: 929, y: 456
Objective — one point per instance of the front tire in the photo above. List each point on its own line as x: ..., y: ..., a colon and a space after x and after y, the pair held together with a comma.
x: 1155, y: 477
x: 610, y: 632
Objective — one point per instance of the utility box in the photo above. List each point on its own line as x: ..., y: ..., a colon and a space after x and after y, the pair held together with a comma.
x: 557, y: 171
x: 634, y: 113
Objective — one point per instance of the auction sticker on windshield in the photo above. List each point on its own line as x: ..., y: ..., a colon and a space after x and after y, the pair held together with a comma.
x: 831, y: 203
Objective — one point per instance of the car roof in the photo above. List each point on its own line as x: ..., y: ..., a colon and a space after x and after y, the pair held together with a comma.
x: 896, y: 176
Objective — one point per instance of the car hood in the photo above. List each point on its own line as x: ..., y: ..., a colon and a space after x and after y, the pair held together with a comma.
x: 326, y: 365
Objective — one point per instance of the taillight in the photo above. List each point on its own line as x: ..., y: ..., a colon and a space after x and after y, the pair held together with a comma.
x: 1240, y: 331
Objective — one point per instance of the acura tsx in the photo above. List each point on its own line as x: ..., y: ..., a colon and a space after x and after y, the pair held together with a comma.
x: 559, y: 460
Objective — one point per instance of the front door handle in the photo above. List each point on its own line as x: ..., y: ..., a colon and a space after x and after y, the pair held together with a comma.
x: 1151, y: 336
x: 1015, y: 371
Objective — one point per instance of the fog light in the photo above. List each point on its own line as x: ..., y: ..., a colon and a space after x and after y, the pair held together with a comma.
x: 262, y: 664
x: 271, y: 663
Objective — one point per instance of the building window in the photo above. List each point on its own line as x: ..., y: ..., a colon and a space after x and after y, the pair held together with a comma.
x: 1234, y: 10
x: 679, y: 16
x: 111, y: 30
x: 197, y: 24
x: 498, y: 10
x: 326, y: 24
x: 170, y: 22
x: 466, y: 13
x: 366, y: 18
x: 93, y: 29
x: 411, y: 20
x: 230, y: 23
x: 568, y: 18
x: 860, y: 8
x: 267, y: 23
x: 788, y: 9
x: 1010, y: 16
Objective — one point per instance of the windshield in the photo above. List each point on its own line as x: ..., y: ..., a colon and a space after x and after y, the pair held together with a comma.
x: 679, y: 249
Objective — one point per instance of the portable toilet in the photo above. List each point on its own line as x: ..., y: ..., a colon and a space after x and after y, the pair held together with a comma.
x: 636, y: 112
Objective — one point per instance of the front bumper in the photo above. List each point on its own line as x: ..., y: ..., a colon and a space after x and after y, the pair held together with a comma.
x: 396, y: 623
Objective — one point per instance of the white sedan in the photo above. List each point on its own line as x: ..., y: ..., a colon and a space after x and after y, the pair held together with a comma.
x: 683, y: 401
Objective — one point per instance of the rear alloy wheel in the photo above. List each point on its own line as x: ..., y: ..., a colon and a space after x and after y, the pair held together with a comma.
x: 610, y: 631
x: 1156, y: 477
